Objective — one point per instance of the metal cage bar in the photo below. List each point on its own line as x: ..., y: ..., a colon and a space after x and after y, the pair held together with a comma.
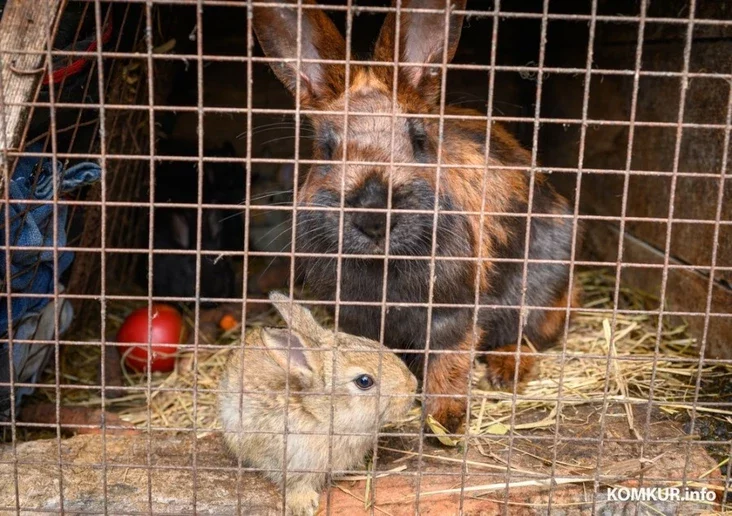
x: 468, y: 473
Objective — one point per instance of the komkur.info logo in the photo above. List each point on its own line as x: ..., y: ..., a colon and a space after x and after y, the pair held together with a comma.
x: 660, y: 494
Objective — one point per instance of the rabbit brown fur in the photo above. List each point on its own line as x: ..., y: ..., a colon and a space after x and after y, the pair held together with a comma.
x: 259, y: 401
x: 505, y: 190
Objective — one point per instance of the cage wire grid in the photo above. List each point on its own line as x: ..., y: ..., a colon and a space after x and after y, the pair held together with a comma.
x: 49, y: 139
x: 99, y: 149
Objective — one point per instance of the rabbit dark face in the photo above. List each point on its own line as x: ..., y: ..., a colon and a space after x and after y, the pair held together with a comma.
x: 377, y: 138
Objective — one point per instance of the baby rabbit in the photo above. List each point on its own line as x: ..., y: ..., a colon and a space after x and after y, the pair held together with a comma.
x: 358, y: 382
x: 471, y: 250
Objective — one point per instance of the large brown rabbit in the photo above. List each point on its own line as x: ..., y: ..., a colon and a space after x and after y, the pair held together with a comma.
x: 367, y: 139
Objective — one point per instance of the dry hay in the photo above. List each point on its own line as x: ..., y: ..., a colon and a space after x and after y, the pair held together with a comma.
x: 581, y: 376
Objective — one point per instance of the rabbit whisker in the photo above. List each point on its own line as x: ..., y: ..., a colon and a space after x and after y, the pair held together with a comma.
x: 291, y: 137
x: 288, y: 245
x: 275, y: 228
x: 289, y: 228
x: 318, y: 240
x: 270, y: 193
x: 278, y: 203
x: 274, y: 126
x: 229, y: 217
x: 242, y: 212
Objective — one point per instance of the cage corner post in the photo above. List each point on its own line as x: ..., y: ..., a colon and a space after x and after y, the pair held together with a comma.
x: 23, y: 31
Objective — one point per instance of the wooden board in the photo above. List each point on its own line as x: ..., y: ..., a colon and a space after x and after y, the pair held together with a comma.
x: 700, y: 158
x: 167, y: 485
x: 24, y: 27
x: 686, y: 290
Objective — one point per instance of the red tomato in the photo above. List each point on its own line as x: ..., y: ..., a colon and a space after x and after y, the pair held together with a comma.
x: 168, y: 330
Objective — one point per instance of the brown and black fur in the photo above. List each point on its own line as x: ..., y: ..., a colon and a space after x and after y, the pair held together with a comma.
x: 415, y: 139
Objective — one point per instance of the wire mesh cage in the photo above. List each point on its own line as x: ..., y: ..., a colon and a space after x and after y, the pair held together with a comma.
x: 339, y: 257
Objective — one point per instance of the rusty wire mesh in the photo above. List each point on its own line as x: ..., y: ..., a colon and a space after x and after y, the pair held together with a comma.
x: 134, y: 76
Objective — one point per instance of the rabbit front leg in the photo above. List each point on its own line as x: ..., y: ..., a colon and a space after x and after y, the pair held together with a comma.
x: 303, y: 498
x: 448, y: 374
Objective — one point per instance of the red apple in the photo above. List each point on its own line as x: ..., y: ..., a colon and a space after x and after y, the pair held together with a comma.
x: 168, y: 331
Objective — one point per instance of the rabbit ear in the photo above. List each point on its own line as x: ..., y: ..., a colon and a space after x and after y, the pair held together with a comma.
x: 181, y: 231
x: 209, y: 171
x: 213, y: 221
x: 276, y: 30
x: 421, y: 40
x: 288, y: 350
x: 297, y: 317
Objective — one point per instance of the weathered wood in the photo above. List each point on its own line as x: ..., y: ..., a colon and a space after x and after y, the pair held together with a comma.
x: 167, y: 485
x: 170, y: 475
x: 700, y: 152
x: 686, y: 290
x: 25, y: 27
x: 700, y: 159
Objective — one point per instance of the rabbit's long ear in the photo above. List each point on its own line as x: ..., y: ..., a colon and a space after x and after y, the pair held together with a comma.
x: 291, y: 353
x: 181, y: 231
x: 213, y: 220
x: 297, y: 317
x: 422, y: 40
x: 276, y: 30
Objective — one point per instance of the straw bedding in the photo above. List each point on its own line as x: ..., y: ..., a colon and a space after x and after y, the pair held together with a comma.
x: 642, y: 367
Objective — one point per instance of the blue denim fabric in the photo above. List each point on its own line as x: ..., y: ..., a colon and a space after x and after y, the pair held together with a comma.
x: 32, y: 225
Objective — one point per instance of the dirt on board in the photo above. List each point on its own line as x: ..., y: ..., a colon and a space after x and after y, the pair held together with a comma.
x: 167, y: 473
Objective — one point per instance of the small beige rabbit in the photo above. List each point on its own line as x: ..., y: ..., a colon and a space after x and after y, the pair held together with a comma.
x: 342, y: 389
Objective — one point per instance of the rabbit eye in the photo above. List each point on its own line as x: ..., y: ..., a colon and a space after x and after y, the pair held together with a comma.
x: 364, y: 382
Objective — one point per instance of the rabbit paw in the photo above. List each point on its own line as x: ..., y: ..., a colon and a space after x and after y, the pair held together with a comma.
x: 302, y: 503
x: 501, y: 369
x: 449, y: 412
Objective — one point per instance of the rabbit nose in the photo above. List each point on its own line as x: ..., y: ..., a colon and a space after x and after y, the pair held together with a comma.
x: 372, y: 194
x: 372, y: 225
